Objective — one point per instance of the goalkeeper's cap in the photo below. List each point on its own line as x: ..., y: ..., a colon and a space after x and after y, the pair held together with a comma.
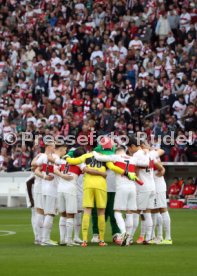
x: 106, y: 143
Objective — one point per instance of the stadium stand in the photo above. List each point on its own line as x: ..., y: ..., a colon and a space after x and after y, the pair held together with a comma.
x: 71, y: 67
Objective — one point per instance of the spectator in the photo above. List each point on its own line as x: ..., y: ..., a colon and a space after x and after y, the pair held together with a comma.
x: 174, y: 189
x: 188, y: 189
x: 62, y: 65
x: 163, y: 26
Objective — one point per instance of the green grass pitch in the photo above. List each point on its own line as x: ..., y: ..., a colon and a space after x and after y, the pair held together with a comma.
x: 19, y: 256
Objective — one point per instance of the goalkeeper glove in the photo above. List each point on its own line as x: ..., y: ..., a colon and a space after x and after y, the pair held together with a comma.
x: 133, y: 177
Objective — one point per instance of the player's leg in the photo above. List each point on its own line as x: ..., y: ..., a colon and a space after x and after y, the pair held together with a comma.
x: 88, y: 204
x: 71, y: 210
x: 39, y: 218
x: 62, y: 220
x: 154, y: 214
x: 101, y: 203
x: 50, y: 204
x: 166, y: 220
x: 148, y: 224
x: 33, y: 223
x: 142, y: 201
x: 78, y: 220
x: 120, y: 204
x: 95, y: 238
x: 147, y: 214
x: 85, y: 225
x: 120, y: 221
x: 159, y: 227
x: 131, y: 207
x: 70, y: 228
x: 155, y: 218
x: 110, y: 212
x: 77, y: 226
x: 62, y: 228
x: 136, y: 217
x: 148, y: 217
x: 142, y: 228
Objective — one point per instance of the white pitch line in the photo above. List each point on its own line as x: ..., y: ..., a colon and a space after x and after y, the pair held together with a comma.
x: 7, y: 233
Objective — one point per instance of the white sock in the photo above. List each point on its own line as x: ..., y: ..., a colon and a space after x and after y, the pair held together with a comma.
x: 154, y: 219
x: 149, y: 225
x: 39, y: 221
x: 33, y: 223
x: 77, y: 225
x: 129, y: 223
x: 167, y: 225
x: 69, y: 228
x: 47, y: 227
x: 62, y: 229
x: 159, y: 227
x: 135, y: 223
x: 120, y: 222
x: 143, y: 228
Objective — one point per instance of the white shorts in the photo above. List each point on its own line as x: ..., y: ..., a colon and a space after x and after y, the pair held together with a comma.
x: 125, y: 198
x: 79, y: 202
x: 67, y: 203
x: 161, y: 200
x: 146, y: 200
x: 49, y: 204
x: 38, y: 201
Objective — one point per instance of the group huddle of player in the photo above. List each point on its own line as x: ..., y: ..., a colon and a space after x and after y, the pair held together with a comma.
x: 73, y: 182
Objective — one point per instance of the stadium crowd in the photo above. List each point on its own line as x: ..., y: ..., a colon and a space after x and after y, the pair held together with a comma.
x: 71, y: 67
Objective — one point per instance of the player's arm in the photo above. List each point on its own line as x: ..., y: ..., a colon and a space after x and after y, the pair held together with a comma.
x: 42, y: 175
x: 62, y: 175
x: 94, y: 172
x: 29, y: 184
x: 160, y: 168
x: 131, y: 175
x: 105, y: 158
x: 142, y: 162
x: 35, y: 160
x: 160, y: 152
x: 78, y: 160
x: 114, y: 168
x: 51, y: 158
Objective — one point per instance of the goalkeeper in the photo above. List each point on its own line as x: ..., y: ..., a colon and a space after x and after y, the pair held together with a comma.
x: 125, y: 197
x: 95, y: 187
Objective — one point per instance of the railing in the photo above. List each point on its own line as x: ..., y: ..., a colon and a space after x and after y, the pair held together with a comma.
x: 14, y: 184
x: 154, y: 112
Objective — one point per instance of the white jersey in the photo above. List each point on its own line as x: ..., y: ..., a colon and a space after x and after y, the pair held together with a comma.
x: 145, y: 174
x: 37, y: 185
x: 49, y: 188
x: 38, y: 182
x: 127, y: 163
x: 160, y: 183
x: 111, y: 182
x: 69, y: 186
x: 80, y: 186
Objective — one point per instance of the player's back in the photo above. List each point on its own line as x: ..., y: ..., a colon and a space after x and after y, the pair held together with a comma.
x: 95, y: 181
x: 126, y: 163
x: 48, y: 187
x: 145, y: 173
x: 69, y: 186
x: 160, y: 183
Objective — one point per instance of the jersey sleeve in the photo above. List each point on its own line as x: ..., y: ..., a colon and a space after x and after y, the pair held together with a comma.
x: 105, y: 158
x: 41, y: 160
x: 59, y: 161
x: 78, y: 160
x: 142, y: 161
x: 114, y: 168
x: 82, y: 166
